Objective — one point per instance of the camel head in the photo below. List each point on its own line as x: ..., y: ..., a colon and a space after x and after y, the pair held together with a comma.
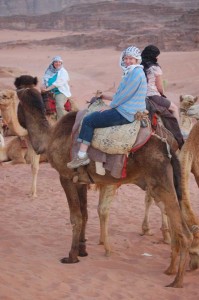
x: 186, y: 101
x: 194, y: 111
x: 32, y: 113
x: 25, y: 81
x: 7, y: 97
x: 28, y: 93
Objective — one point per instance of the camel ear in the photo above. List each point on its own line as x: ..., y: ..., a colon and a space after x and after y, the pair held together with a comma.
x: 35, y: 80
x: 17, y: 82
x: 195, y: 99
x: 181, y: 98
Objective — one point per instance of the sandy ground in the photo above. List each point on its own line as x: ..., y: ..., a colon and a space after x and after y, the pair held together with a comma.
x: 35, y: 234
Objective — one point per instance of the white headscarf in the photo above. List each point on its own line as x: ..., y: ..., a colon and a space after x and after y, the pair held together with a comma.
x: 51, y: 70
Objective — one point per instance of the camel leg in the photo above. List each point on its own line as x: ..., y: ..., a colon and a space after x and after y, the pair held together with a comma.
x: 187, y: 162
x: 82, y: 193
x: 181, y: 237
x: 145, y: 224
x: 180, y: 243
x: 35, y: 169
x: 165, y: 225
x: 106, y: 195
x: 77, y: 201
x: 194, y: 226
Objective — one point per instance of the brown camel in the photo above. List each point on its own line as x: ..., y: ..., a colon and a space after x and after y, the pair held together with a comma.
x: 13, y: 152
x: 186, y: 124
x: 190, y: 163
x: 8, y: 106
x: 155, y: 172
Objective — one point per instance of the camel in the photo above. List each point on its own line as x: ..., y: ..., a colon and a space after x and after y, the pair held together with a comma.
x: 8, y: 101
x: 8, y: 106
x: 190, y: 163
x: 156, y: 172
x: 13, y: 153
x: 186, y: 124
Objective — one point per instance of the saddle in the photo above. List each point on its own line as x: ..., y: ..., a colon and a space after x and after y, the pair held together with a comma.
x: 117, y: 139
x: 49, y: 103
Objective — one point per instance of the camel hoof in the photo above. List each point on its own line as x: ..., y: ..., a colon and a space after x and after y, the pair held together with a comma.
x: 162, y: 241
x: 83, y: 254
x: 175, y: 285
x: 146, y: 232
x: 68, y: 260
x: 194, y: 261
x: 108, y: 253
x: 167, y: 242
x: 170, y: 271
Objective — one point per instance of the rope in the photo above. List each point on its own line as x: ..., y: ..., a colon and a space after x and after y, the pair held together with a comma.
x: 194, y: 228
x: 22, y: 89
x: 164, y: 140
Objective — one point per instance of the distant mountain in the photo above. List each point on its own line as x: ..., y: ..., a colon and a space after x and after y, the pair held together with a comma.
x: 37, y: 7
x: 40, y: 7
x: 173, y: 25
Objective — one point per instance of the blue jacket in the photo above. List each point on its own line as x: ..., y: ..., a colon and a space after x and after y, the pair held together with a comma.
x: 131, y: 94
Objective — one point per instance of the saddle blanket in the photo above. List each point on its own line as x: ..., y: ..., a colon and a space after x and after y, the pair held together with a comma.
x: 112, y: 163
x: 114, y: 139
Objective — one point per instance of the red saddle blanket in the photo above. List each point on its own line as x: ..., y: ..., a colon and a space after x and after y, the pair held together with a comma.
x: 50, y: 105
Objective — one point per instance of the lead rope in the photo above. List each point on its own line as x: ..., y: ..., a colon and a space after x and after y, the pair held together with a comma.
x: 167, y: 144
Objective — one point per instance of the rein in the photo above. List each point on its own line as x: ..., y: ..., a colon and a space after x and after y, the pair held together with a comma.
x: 18, y: 90
x: 22, y: 89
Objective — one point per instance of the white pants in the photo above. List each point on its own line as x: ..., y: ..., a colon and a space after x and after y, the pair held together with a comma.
x: 60, y: 100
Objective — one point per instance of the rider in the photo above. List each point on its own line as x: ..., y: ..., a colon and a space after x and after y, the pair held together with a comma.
x: 155, y: 92
x: 56, y: 80
x: 129, y: 98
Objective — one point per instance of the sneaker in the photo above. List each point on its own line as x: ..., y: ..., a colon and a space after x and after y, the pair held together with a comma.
x: 77, y: 162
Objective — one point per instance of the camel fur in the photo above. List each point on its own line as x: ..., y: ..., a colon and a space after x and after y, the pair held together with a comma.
x: 186, y: 124
x: 155, y: 173
x: 8, y: 105
x: 13, y: 153
x: 190, y: 163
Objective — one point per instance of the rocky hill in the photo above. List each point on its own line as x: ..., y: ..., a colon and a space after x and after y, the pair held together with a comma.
x: 173, y: 25
x: 38, y: 7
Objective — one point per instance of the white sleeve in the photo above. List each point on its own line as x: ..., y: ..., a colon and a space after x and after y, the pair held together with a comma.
x: 62, y: 78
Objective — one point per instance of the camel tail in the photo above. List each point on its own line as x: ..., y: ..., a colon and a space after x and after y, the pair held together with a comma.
x: 176, y: 176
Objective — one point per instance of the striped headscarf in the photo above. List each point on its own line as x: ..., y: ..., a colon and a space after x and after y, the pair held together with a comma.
x: 130, y: 51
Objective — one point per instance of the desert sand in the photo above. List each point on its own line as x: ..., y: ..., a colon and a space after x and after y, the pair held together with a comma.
x: 35, y: 234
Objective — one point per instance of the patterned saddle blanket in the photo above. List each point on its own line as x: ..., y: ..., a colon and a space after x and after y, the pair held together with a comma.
x: 114, y: 139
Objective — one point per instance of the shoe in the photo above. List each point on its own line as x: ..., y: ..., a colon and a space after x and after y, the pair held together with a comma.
x: 77, y: 162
